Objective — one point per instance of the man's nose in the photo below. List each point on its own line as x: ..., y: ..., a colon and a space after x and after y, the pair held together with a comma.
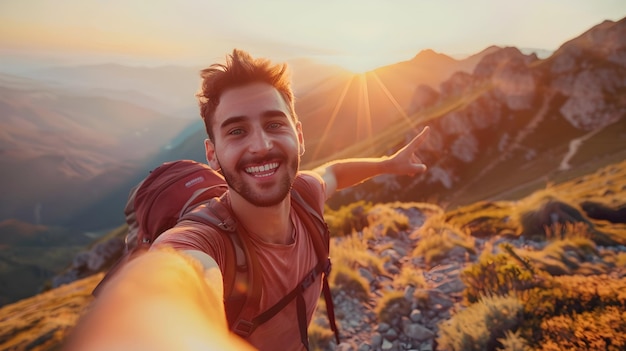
x: 261, y: 142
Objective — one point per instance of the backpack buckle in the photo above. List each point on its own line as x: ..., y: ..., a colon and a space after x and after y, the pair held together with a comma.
x: 243, y: 328
x: 308, y: 279
x: 229, y: 225
x: 327, y: 267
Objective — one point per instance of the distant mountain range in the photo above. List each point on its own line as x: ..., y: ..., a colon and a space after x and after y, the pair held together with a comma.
x: 74, y: 140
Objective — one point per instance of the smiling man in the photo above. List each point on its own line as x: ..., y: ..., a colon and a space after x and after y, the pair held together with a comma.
x: 255, y: 139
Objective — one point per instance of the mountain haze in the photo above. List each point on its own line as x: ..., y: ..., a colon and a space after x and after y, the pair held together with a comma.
x: 64, y: 149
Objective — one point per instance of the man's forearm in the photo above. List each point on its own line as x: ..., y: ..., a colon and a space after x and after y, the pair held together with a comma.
x: 345, y: 173
x: 349, y: 172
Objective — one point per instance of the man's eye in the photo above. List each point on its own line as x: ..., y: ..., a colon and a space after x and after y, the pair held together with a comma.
x: 237, y: 131
x: 274, y: 125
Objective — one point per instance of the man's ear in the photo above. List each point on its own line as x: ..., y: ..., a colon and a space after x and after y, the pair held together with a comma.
x: 300, y: 137
x: 211, y: 157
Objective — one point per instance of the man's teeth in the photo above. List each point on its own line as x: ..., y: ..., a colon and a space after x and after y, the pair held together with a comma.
x: 262, y: 169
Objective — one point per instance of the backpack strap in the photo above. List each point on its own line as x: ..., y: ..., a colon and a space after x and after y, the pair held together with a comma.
x: 245, y: 289
x: 309, y: 278
x: 320, y: 237
x: 321, y: 243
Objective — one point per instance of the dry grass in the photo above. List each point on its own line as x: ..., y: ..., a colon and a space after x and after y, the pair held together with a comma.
x: 320, y: 337
x: 353, y: 252
x: 387, y: 219
x: 43, y: 321
x: 437, y: 238
x: 392, y: 306
x: 480, y: 325
x: 409, y: 276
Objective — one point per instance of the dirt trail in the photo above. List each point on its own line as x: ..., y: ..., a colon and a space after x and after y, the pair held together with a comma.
x: 574, y: 146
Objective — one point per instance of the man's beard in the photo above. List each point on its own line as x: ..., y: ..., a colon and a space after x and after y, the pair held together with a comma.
x: 260, y: 198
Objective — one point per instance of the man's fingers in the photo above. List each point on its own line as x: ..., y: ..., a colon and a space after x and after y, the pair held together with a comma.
x: 422, y: 135
x: 419, y: 138
x: 414, y: 144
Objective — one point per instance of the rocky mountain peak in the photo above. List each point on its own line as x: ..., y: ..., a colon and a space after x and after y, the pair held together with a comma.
x: 493, y: 62
x: 429, y: 54
x: 590, y: 71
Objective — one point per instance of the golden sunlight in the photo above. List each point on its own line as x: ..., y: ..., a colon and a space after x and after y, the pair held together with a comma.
x: 363, y: 108
x: 363, y: 63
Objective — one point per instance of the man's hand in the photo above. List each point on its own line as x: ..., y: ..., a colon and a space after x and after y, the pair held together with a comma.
x: 159, y: 301
x: 406, y: 160
x: 344, y: 173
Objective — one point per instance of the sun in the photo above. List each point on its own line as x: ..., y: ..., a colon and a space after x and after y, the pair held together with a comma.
x: 361, y: 63
x: 371, y: 91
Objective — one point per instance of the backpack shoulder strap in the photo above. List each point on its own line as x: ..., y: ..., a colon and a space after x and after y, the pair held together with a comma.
x: 245, y: 289
x: 321, y: 243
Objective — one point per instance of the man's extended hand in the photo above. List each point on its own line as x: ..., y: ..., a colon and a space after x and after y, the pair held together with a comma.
x: 159, y: 301
x: 344, y: 173
x: 406, y: 160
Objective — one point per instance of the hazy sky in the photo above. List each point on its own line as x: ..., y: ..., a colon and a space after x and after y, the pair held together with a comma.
x: 359, y: 34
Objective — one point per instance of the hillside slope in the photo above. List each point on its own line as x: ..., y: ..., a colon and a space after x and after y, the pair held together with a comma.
x: 405, y: 272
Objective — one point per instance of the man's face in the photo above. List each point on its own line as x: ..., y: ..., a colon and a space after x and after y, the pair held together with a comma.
x: 256, y: 143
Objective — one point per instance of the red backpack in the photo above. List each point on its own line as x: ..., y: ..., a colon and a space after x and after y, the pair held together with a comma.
x: 190, y: 190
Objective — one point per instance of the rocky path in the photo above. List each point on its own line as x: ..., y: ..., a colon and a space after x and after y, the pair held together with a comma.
x: 414, y: 325
x: 574, y: 145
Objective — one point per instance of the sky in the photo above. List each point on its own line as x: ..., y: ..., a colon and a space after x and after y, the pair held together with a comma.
x: 356, y: 34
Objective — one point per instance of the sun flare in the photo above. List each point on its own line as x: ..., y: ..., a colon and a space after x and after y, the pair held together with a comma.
x: 362, y: 63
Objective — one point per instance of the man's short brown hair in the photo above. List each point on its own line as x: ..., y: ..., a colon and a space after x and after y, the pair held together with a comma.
x: 240, y: 69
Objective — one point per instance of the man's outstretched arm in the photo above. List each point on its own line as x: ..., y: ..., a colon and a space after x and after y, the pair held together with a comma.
x: 159, y: 301
x: 345, y: 173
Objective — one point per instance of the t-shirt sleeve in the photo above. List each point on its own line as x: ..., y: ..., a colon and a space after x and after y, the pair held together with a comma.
x: 189, y: 235
x: 311, y: 185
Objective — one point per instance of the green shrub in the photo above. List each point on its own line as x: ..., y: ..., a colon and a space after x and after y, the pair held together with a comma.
x: 481, y: 325
x: 600, y: 329
x: 568, y: 297
x: 495, y: 274
x: 575, y: 294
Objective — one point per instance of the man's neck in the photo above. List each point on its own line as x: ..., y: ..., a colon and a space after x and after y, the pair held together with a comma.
x: 272, y: 224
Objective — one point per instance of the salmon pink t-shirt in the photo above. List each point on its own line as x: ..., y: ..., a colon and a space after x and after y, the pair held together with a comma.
x: 282, y: 266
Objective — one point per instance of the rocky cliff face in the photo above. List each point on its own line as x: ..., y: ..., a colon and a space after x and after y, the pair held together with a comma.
x: 590, y: 72
x: 512, y: 108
